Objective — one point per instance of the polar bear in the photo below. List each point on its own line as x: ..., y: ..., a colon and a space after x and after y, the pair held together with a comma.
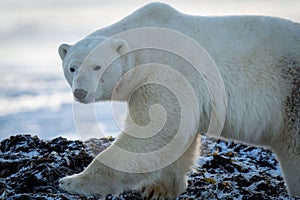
x: 259, y: 61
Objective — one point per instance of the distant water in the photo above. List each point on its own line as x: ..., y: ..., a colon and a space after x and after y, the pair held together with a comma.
x: 35, y: 98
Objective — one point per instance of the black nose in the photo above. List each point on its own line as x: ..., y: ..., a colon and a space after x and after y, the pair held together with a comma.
x: 80, y: 94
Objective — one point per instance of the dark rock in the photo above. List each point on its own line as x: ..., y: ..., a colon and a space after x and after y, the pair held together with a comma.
x: 30, y: 169
x: 19, y: 143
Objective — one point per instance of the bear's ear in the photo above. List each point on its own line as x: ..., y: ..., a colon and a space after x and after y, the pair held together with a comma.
x: 121, y: 46
x: 63, y: 49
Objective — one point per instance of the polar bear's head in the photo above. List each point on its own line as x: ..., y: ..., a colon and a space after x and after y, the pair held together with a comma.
x: 88, y: 68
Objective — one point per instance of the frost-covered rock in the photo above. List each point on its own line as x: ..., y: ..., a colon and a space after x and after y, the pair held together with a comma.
x: 30, y: 169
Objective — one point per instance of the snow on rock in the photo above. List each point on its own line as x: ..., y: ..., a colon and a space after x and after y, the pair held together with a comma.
x: 231, y: 170
x: 30, y: 169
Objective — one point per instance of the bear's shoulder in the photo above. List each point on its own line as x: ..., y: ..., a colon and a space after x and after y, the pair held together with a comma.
x: 152, y: 14
x: 156, y: 9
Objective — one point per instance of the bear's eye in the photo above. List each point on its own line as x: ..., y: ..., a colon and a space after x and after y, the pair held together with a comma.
x: 97, y: 68
x: 72, y: 69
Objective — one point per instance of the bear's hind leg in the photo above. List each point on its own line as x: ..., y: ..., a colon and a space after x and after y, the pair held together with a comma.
x: 290, y: 166
x: 287, y: 151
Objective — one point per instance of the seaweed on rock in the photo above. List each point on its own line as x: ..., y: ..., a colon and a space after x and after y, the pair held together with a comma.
x: 30, y: 169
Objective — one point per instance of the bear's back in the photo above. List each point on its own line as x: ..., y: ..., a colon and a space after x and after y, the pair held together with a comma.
x: 229, y: 34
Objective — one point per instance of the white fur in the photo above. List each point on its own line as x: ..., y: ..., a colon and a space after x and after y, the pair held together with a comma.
x: 254, y: 55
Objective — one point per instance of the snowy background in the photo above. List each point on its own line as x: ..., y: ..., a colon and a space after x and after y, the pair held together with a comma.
x: 35, y: 98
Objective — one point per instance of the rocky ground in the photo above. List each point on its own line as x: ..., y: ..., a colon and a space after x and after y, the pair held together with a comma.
x: 30, y: 169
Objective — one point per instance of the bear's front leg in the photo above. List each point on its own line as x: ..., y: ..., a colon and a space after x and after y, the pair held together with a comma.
x: 96, y: 179
x: 76, y: 184
x: 170, y: 184
x: 101, y: 180
x: 172, y: 180
x: 161, y: 190
x: 156, y: 149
